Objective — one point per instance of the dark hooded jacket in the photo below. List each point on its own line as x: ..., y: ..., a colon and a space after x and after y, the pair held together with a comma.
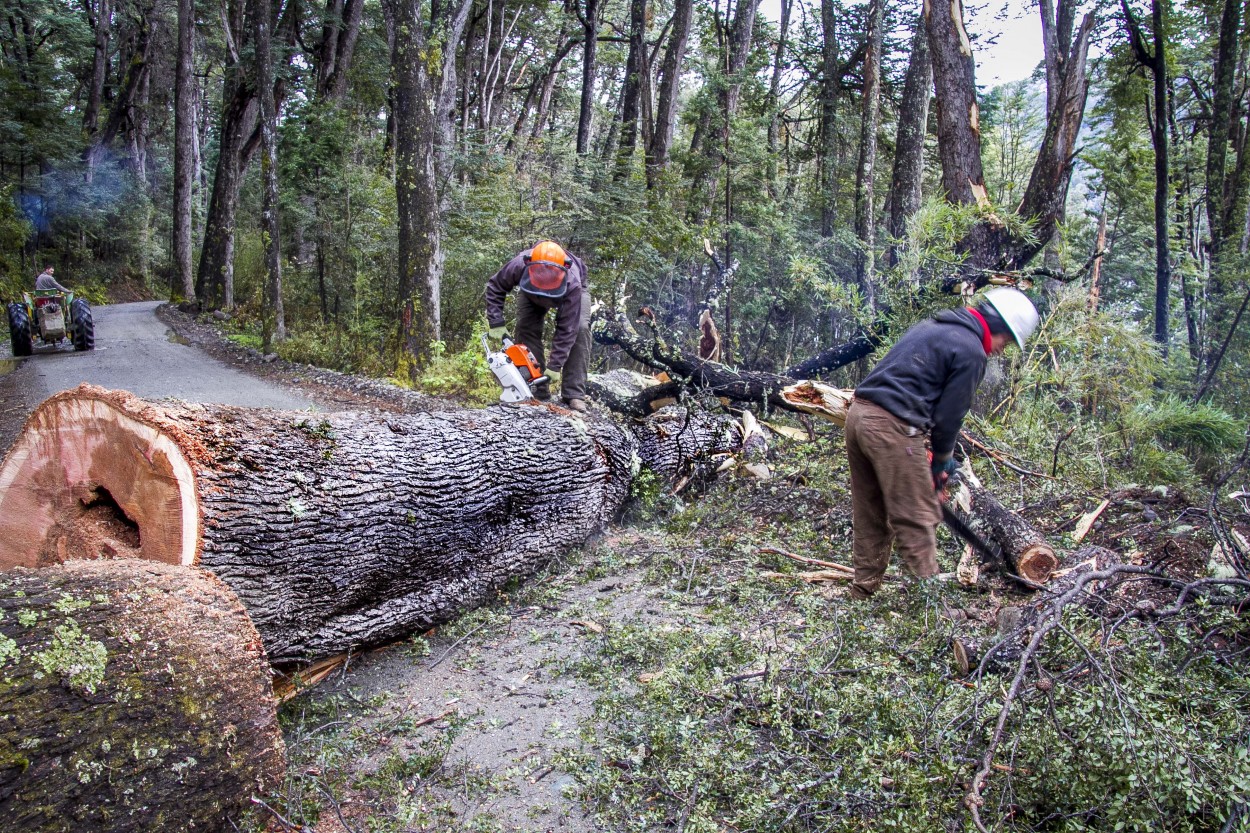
x: 568, y: 308
x: 930, y: 375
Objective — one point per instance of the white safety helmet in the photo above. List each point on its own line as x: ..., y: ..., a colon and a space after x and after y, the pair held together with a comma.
x: 1016, y: 310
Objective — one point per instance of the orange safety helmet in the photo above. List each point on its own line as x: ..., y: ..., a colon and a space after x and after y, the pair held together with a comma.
x: 547, y: 266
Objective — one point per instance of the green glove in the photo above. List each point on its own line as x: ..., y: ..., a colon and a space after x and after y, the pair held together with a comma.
x: 554, y: 377
x: 497, y: 334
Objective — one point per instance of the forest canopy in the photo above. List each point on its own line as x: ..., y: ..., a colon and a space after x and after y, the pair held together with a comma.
x: 343, y: 177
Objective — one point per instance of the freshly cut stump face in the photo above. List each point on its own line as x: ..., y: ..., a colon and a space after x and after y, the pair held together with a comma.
x: 87, y: 480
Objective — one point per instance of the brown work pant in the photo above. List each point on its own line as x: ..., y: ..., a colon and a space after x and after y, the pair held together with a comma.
x: 530, y: 316
x: 892, y: 496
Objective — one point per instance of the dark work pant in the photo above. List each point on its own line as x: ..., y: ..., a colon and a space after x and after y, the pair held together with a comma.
x: 529, y: 331
x: 892, y: 497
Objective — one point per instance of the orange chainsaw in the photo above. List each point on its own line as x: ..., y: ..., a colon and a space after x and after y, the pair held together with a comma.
x: 515, y: 369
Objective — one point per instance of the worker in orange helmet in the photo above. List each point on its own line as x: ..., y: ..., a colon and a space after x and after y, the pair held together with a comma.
x: 549, y: 278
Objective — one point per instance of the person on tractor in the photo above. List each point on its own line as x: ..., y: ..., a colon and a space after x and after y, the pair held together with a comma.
x: 44, y: 281
x: 923, y: 387
x: 549, y: 278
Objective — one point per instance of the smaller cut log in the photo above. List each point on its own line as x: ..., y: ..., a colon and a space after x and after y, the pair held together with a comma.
x: 1026, y: 550
x: 134, y: 696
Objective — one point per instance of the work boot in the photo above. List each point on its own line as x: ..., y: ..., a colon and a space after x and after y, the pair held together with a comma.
x: 578, y: 405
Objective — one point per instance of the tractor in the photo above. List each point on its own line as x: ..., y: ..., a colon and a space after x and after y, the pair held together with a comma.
x: 50, y: 316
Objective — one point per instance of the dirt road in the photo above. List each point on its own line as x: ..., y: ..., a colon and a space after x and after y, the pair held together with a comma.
x: 135, y: 351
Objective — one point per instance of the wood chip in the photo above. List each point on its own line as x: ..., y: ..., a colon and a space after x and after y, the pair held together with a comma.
x: 287, y: 688
x: 1087, y: 522
x: 788, y: 431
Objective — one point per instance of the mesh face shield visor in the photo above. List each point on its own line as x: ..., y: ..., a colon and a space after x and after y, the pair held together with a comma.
x: 543, y: 278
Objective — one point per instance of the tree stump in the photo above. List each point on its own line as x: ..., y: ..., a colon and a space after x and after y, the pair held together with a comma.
x: 134, y: 696
x: 336, y: 531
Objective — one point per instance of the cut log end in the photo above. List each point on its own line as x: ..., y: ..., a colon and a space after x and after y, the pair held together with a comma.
x: 92, y: 476
x: 1037, y: 563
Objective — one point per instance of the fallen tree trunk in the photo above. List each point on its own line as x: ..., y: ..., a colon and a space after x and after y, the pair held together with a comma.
x: 336, y: 531
x: 1026, y: 550
x: 135, y: 696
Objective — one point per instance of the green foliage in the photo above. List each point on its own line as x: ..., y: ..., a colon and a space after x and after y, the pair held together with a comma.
x: 817, y: 715
x: 463, y: 375
x: 1096, y: 375
x: 14, y: 230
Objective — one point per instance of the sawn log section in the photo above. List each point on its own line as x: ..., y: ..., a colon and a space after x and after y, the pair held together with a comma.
x: 335, y: 531
x: 134, y: 696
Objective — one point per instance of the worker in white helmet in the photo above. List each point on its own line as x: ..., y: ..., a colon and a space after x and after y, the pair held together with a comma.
x: 920, y: 391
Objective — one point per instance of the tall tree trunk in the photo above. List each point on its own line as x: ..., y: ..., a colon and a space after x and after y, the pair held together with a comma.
x: 101, y: 20
x: 590, y: 35
x: 1225, y: 72
x: 670, y: 87
x: 907, y: 178
x: 447, y: 22
x: 774, y: 94
x: 631, y: 93
x: 829, y: 87
x: 340, y: 32
x: 1046, y: 195
x: 214, y: 282
x: 261, y: 24
x: 958, y: 118
x: 1221, y: 189
x: 184, y: 149
x: 416, y: 194
x: 1157, y: 116
x: 865, y: 204
x: 991, y: 244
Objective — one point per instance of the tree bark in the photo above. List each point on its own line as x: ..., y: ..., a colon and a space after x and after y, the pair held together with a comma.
x: 590, y: 43
x: 670, y: 86
x: 184, y: 149
x: 865, y: 203
x: 958, y: 119
x: 336, y: 531
x: 420, y: 252
x: 1046, y: 195
x: 270, y: 227
x: 828, y: 151
x: 101, y: 20
x: 913, y: 121
x: 214, y: 283
x: 1225, y: 72
x: 631, y: 94
x: 136, y: 697
x: 774, y: 95
x: 1027, y: 552
x: 1156, y: 61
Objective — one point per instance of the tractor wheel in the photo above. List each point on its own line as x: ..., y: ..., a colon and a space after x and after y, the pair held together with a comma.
x: 82, y: 328
x: 19, y: 330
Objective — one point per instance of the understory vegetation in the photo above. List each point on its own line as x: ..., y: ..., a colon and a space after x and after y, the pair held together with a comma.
x: 758, y: 700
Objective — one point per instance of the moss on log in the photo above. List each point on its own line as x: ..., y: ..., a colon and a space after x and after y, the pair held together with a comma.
x: 134, y: 696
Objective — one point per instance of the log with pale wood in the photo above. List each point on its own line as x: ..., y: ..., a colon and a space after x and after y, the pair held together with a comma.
x: 134, y: 696
x: 336, y: 531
